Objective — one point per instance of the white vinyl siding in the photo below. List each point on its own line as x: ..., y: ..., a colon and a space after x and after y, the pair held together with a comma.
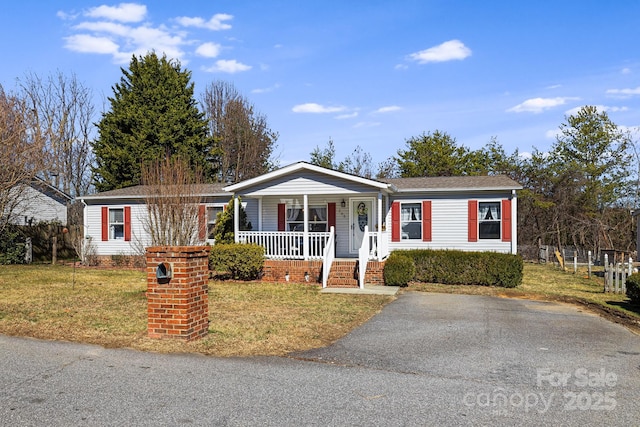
x: 449, y: 225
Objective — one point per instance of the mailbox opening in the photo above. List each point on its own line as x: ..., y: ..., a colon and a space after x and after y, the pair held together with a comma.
x: 163, y: 272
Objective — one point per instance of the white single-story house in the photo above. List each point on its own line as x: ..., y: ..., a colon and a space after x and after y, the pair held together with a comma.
x: 39, y: 202
x: 306, y: 212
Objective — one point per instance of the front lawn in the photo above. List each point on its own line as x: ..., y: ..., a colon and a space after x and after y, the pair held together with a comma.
x: 109, y: 308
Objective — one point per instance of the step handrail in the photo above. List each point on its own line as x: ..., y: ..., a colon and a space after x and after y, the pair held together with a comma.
x: 328, y: 256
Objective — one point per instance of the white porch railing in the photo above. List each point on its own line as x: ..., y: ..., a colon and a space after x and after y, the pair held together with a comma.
x: 378, y: 248
x: 329, y: 256
x: 287, y: 244
x: 364, y: 253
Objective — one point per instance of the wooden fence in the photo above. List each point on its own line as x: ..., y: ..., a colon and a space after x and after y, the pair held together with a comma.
x: 615, y: 275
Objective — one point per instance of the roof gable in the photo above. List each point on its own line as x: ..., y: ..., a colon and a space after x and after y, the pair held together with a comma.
x: 296, y: 169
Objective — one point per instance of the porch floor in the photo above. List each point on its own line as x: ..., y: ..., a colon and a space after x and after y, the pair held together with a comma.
x: 368, y: 290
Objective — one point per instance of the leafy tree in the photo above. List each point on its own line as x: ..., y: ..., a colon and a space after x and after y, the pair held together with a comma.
x: 324, y: 157
x: 435, y: 154
x: 591, y: 145
x: 223, y: 231
x: 244, y: 141
x: 153, y: 115
x: 358, y: 163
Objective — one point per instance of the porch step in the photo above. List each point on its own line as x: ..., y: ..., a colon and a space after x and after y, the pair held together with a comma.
x: 342, y: 274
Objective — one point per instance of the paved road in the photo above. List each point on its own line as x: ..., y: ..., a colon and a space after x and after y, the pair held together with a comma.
x: 427, y: 359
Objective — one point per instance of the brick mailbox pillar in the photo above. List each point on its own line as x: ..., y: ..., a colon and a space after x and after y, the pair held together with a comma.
x: 177, y: 292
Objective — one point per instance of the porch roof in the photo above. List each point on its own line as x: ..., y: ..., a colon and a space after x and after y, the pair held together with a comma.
x: 304, y: 166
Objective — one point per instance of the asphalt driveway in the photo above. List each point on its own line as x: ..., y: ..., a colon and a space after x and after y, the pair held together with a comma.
x: 426, y: 359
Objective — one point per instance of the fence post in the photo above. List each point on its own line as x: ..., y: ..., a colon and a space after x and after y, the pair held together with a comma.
x: 28, y: 250
x: 575, y: 262
x: 589, y: 265
x: 623, y: 283
x: 617, y: 279
x: 54, y: 250
x: 607, y: 283
x: 630, y: 266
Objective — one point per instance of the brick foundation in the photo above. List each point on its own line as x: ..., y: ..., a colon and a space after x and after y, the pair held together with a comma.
x: 275, y: 271
x: 178, y: 307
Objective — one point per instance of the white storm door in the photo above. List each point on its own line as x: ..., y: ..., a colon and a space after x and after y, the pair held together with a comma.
x: 361, y: 214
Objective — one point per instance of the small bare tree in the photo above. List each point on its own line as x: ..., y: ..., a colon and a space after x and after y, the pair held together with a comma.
x: 173, y: 191
x: 22, y: 156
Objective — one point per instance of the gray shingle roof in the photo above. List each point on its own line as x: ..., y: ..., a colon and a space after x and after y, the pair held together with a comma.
x: 145, y: 190
x: 449, y: 183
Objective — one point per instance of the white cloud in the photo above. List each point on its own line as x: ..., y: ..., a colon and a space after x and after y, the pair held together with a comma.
x: 538, y: 105
x: 209, y: 50
x: 552, y: 134
x: 387, y: 109
x: 85, y: 43
x: 230, y: 66
x: 626, y: 70
x: 366, y: 125
x: 624, y: 92
x: 124, y: 12
x: 266, y: 89
x: 312, y: 107
x: 216, y: 23
x: 347, y: 116
x: 447, y: 51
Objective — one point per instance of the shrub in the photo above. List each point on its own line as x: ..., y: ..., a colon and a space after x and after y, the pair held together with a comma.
x: 240, y: 261
x: 399, y: 270
x: 633, y: 288
x: 467, y: 268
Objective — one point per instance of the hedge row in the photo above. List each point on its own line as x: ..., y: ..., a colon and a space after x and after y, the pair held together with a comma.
x: 633, y: 288
x: 466, y: 268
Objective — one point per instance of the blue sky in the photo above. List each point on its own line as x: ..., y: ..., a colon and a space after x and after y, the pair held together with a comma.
x: 362, y: 73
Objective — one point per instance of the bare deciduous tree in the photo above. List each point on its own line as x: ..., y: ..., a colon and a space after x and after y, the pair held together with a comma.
x: 173, y: 191
x: 64, y: 113
x: 244, y: 139
x: 21, y: 155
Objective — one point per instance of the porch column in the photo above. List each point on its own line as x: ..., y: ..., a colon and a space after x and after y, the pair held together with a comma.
x: 260, y: 214
x: 305, y: 238
x: 379, y: 226
x: 514, y: 222
x: 236, y: 219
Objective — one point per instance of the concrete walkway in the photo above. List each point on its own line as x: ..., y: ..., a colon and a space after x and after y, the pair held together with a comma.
x: 368, y: 290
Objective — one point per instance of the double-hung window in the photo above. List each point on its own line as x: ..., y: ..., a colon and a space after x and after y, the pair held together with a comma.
x: 212, y: 217
x: 411, y: 221
x: 489, y: 220
x: 317, y: 218
x: 116, y: 223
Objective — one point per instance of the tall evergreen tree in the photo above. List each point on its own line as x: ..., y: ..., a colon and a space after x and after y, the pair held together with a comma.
x: 153, y: 115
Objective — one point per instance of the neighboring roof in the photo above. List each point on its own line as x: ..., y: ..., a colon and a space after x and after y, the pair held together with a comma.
x: 455, y: 183
x: 49, y: 190
x: 139, y: 191
x: 304, y: 166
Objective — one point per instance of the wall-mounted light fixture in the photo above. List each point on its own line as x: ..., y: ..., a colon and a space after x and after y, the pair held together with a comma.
x: 343, y: 203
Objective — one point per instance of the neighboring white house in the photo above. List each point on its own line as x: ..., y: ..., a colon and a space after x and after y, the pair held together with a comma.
x: 40, y: 202
x: 298, y: 209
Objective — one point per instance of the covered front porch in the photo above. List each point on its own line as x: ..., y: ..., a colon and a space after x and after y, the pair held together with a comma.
x: 308, y: 213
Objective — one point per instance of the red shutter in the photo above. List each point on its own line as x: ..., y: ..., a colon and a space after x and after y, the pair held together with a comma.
x: 202, y: 222
x: 473, y: 220
x: 506, y: 220
x: 331, y: 215
x: 127, y: 223
x: 426, y: 220
x: 282, y: 217
x: 105, y: 223
x: 395, y: 222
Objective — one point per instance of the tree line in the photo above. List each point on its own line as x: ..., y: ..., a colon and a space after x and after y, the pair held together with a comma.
x: 579, y: 193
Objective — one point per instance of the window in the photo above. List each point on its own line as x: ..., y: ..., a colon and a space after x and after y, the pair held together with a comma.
x: 116, y: 223
x: 489, y: 220
x: 212, y: 217
x: 411, y: 221
x: 317, y: 218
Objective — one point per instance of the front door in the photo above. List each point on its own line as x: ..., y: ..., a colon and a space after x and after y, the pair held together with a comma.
x: 361, y: 214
